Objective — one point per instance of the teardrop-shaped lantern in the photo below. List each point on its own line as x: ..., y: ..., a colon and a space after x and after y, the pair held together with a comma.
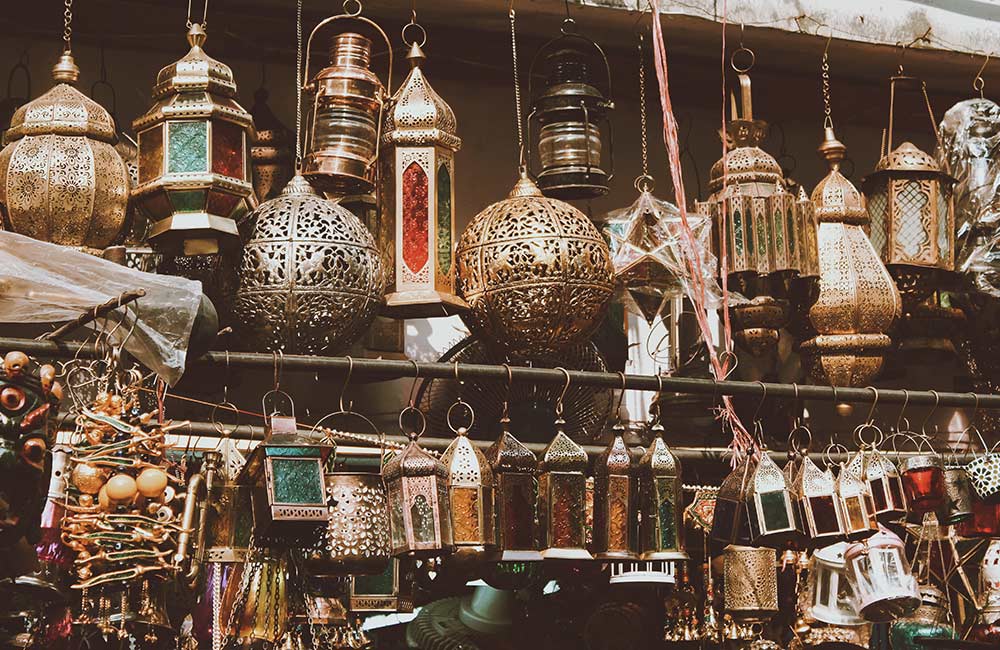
x: 562, y: 498
x: 662, y: 506
x: 615, y: 501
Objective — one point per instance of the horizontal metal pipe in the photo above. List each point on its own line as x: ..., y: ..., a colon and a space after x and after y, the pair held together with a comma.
x: 384, y: 369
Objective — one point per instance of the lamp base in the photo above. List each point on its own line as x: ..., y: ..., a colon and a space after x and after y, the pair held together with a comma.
x: 566, y: 554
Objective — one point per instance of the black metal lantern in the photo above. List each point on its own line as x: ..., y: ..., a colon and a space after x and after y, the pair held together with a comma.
x: 568, y: 111
x: 729, y: 524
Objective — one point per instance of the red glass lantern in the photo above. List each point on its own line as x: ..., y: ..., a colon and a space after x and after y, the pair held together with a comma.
x: 923, y: 482
x: 562, y: 498
x: 516, y: 495
x: 984, y: 522
x: 615, y: 501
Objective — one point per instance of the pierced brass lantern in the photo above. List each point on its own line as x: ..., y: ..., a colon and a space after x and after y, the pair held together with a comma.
x: 662, y: 506
x: 912, y: 212
x: 751, y: 583
x: 562, y: 499
x: 857, y: 508
x: 770, y: 506
x: 273, y: 152
x: 419, y: 507
x: 194, y: 162
x: 419, y: 144
x: 516, y: 495
x: 616, y: 501
x: 570, y: 112
x: 816, y: 491
x: 470, y: 492
x: 61, y: 178
x: 858, y: 300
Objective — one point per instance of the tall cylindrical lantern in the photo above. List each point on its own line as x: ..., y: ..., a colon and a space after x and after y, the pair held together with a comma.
x: 616, y: 501
x: 419, y: 142
x: 419, y: 507
x: 194, y: 155
x: 562, y: 499
x: 751, y: 583
x: 470, y: 493
x: 661, y: 532
x: 516, y: 494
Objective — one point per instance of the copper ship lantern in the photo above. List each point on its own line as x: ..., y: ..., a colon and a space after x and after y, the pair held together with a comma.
x: 616, y: 501
x: 771, y: 510
x: 470, y: 493
x: 562, y: 499
x: 419, y: 504
x: 571, y: 115
x: 419, y: 143
x: 194, y: 155
x: 912, y: 212
x: 661, y: 532
x: 272, y: 154
x: 855, y: 502
x: 751, y: 583
x: 858, y: 300
x: 819, y: 507
x: 348, y: 102
x: 516, y: 494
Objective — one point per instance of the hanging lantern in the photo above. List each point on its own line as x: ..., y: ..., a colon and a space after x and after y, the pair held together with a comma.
x: 347, y: 111
x: 804, y: 289
x: 831, y: 596
x: 230, y: 516
x: 254, y: 605
x: 516, y: 494
x: 419, y: 507
x: 958, y: 497
x: 569, y: 111
x: 729, y: 521
x: 912, y: 212
x: 562, y: 499
x: 771, y: 511
x: 273, y: 152
x: 615, y: 501
x: 930, y: 621
x: 661, y: 502
x: 984, y: 522
x: 419, y: 144
x: 923, y: 482
x: 751, y: 583
x: 858, y: 300
x: 817, y: 493
x: 61, y: 179
x: 535, y: 272
x: 884, y: 483
x: 194, y: 167
x: 856, y: 505
x: 311, y: 279
x: 883, y: 586
x: 470, y: 492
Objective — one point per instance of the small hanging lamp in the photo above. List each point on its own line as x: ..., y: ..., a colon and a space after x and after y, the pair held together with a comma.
x: 615, y: 501
x: 820, y: 509
x: 661, y: 533
x: 831, y: 599
x: 729, y: 521
x: 857, y: 508
x: 883, y: 480
x: 880, y: 575
x: 771, y: 511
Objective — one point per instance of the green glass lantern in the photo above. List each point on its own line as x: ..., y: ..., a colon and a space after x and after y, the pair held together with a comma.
x: 662, y: 526
x: 771, y: 510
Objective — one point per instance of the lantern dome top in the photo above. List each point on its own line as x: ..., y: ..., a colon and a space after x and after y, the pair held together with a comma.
x: 767, y: 476
x: 508, y: 454
x: 907, y: 157
x: 195, y: 71
x: 835, y: 197
x: 884, y: 538
x: 414, y: 460
x: 63, y: 110
x: 849, y: 481
x: 615, y: 459
x: 563, y: 455
x: 419, y: 116
x: 812, y: 481
x: 659, y: 460
x: 749, y: 164
x: 734, y: 486
x: 466, y: 465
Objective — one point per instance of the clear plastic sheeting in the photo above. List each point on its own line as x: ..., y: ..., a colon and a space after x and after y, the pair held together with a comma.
x: 969, y: 138
x: 649, y: 253
x: 47, y: 283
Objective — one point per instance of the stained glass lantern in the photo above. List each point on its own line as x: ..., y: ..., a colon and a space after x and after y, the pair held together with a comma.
x: 884, y: 483
x: 61, y: 178
x: 661, y: 532
x: 288, y: 487
x: 570, y: 112
x: 470, y: 492
x: 770, y: 506
x: 729, y: 521
x: 831, y: 597
x: 516, y: 493
x: 820, y: 510
x: 194, y: 155
x: 616, y: 501
x: 884, y: 588
x: 273, y: 152
x: 912, y: 212
x: 984, y: 522
x: 923, y: 482
x: 562, y: 499
x: 751, y: 583
x: 419, y: 507
x: 419, y: 145
x: 856, y: 505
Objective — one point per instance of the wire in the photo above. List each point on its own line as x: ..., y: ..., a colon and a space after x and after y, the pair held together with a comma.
x: 517, y: 90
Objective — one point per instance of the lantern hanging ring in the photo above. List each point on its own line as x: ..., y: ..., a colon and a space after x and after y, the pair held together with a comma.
x: 352, y: 8
x: 742, y: 51
x: 217, y: 422
x: 414, y: 25
x: 562, y: 395
x: 459, y: 403
x: 644, y: 183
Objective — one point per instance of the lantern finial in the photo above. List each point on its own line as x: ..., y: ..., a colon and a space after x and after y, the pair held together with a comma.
x: 416, y: 55
x: 65, y: 70
x: 831, y: 148
x: 196, y: 35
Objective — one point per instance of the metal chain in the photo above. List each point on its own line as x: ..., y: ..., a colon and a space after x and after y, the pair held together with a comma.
x: 216, y: 606
x: 827, y: 111
x: 299, y: 81
x: 517, y: 90
x: 204, y: 15
x: 67, y: 25
x: 642, y: 108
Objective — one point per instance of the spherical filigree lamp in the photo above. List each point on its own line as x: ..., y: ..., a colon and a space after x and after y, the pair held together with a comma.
x: 535, y: 271
x: 311, y: 280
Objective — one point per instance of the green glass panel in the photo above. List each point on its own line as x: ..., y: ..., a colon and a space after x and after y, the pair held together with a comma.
x: 790, y: 227
x: 738, y: 231
x: 297, y: 481
x: 779, y: 230
x: 444, y: 219
x: 188, y: 200
x: 775, y: 510
x: 761, y: 237
x: 667, y: 517
x: 303, y: 451
x: 188, y: 149
x: 382, y: 584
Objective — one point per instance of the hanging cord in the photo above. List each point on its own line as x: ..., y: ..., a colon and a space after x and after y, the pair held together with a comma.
x: 204, y: 15
x: 827, y: 111
x: 645, y: 182
x: 522, y: 163
x: 299, y: 81
x: 68, y: 26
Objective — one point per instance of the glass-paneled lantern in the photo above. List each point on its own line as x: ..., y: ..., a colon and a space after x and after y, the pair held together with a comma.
x: 661, y: 532
x: 194, y: 162
x: 831, y: 597
x: 419, y: 507
x: 923, y: 482
x: 751, y: 583
x: 729, y: 520
x: 568, y: 111
x: 884, y: 588
x: 616, y: 501
x: 562, y: 499
x: 516, y: 494
x: 884, y: 484
x: 958, y: 497
x: 419, y: 142
x: 470, y: 493
x: 857, y: 507
x: 818, y: 504
x: 770, y: 506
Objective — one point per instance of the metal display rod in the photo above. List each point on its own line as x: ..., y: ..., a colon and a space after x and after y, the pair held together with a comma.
x: 385, y: 369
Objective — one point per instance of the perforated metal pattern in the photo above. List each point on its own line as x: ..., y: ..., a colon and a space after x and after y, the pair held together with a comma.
x: 419, y: 116
x: 467, y: 466
x: 812, y: 481
x: 768, y: 477
x: 63, y: 110
x: 751, y: 582
x: 413, y: 461
x: 508, y: 454
x: 358, y: 526
x: 563, y: 455
x: 659, y: 460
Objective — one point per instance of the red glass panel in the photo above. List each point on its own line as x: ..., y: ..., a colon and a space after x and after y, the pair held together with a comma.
x: 415, y: 225
x: 221, y: 203
x: 924, y: 488
x: 227, y: 149
x: 150, y: 154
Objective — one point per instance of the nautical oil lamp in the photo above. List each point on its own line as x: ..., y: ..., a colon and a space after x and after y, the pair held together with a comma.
x: 831, y: 596
x: 857, y: 508
x: 661, y: 532
x: 615, y: 501
x: 770, y: 507
x: 923, y: 482
x: 884, y: 588
x: 419, y: 142
x: 569, y: 111
x: 729, y: 521
x: 194, y: 155
x: 818, y: 503
x: 562, y: 498
x: 516, y: 495
x: 751, y: 583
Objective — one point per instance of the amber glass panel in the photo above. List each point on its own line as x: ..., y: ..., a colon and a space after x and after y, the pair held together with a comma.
x: 227, y: 150
x: 619, y: 522
x: 568, y: 510
x: 465, y: 514
x: 824, y: 514
x: 855, y: 514
x: 150, y: 154
x: 415, y: 218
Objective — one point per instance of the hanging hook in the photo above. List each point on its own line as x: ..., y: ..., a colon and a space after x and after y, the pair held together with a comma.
x: 621, y: 398
x: 923, y: 426
x: 413, y: 386
x: 763, y: 396
x: 654, y: 408
x: 562, y: 395
x: 975, y: 409
x: 871, y: 411
x: 900, y: 419
x: 347, y: 380
x: 568, y: 24
x: 505, y: 413
x: 978, y: 83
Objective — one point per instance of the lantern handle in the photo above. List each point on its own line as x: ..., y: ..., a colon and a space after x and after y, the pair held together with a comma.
x: 415, y: 433
x: 21, y: 66
x: 217, y: 423
x: 451, y: 410
x: 828, y: 452
x: 859, y: 438
x: 794, y: 439
x: 568, y: 36
x: 360, y: 416
x: 901, y: 78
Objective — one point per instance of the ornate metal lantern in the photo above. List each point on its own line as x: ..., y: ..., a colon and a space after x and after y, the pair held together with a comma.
x: 958, y: 498
x: 470, y: 492
x: 273, y: 152
x: 311, y: 279
x: 923, y: 482
x: 931, y: 620
x: 661, y: 532
x: 194, y: 163
x: 569, y: 111
x: 884, y: 483
x: 516, y: 494
x: 751, y: 583
x: 615, y: 501
x: 858, y: 300
x: 856, y: 505
x: 419, y: 144
x: 770, y: 506
x: 884, y: 588
x: 817, y: 493
x: 562, y: 499
x: 347, y: 111
x: 912, y: 212
x: 831, y: 599
x: 61, y: 179
x: 729, y: 521
x: 535, y: 271
x: 419, y: 507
